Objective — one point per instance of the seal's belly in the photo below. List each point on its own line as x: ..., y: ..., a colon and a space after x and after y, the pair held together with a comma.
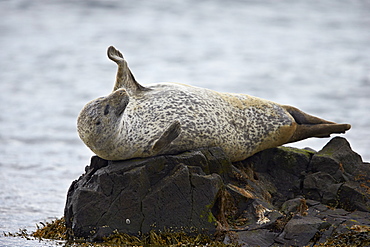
x: 237, y: 123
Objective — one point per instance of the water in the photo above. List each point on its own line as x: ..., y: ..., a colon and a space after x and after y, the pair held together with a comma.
x: 314, y: 55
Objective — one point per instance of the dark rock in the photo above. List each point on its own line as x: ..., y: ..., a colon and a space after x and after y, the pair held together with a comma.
x: 300, y: 230
x: 280, y: 170
x: 336, y: 159
x: 185, y: 195
x: 330, y: 195
x: 281, y: 196
x: 320, y: 186
x: 294, y: 206
x: 258, y: 237
x: 316, y: 184
x: 336, y: 177
x: 139, y: 195
x: 351, y: 197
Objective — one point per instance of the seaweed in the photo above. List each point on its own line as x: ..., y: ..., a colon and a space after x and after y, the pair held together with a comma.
x: 56, y: 230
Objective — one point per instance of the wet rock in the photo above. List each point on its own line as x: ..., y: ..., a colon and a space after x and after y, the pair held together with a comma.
x: 258, y: 237
x: 295, y: 206
x: 336, y: 159
x: 281, y: 196
x: 139, y: 195
x: 300, y: 230
x: 280, y: 171
x: 316, y: 184
x: 336, y: 177
x: 330, y: 195
x: 352, y: 197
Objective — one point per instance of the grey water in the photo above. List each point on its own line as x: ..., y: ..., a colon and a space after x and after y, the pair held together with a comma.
x: 314, y: 55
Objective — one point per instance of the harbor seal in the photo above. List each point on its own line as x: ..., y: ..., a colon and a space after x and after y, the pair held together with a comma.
x: 137, y: 121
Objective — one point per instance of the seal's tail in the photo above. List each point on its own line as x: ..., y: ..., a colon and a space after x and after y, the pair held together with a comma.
x: 311, y: 126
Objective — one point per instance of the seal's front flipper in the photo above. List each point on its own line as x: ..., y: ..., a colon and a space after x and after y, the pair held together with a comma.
x: 124, y: 79
x: 169, y: 135
x: 115, y: 55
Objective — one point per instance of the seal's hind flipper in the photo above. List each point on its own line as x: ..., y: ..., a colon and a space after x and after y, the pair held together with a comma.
x: 311, y: 126
x: 303, y: 118
x: 124, y: 79
x: 170, y: 134
x: 304, y: 131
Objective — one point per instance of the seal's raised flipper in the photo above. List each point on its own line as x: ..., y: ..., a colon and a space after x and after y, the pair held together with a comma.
x: 311, y: 126
x: 170, y: 134
x: 124, y: 79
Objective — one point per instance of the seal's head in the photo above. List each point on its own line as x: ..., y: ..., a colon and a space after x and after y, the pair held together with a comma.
x: 99, y: 119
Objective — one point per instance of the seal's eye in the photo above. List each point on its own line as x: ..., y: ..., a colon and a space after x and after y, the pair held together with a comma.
x: 98, y: 123
x: 106, y: 110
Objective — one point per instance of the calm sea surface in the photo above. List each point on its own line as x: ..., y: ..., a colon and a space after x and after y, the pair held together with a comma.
x: 314, y: 55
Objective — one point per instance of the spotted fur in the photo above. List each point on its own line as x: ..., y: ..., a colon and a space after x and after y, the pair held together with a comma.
x: 238, y: 123
x: 167, y: 118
